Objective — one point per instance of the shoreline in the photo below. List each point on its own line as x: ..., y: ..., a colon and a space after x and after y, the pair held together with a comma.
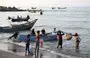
x: 20, y: 51
x: 65, y: 52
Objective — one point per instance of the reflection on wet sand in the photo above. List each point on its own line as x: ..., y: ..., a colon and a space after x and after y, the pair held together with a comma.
x: 77, y: 50
x: 41, y: 55
x: 20, y: 51
x: 58, y: 56
x: 15, y: 48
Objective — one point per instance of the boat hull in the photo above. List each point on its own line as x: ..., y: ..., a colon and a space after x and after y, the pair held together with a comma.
x: 21, y: 27
x: 44, y: 37
x: 18, y: 20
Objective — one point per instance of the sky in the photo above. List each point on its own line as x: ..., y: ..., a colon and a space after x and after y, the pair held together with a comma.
x: 45, y: 3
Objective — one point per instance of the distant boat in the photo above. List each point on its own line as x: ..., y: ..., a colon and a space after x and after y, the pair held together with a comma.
x: 13, y: 28
x: 61, y: 7
x: 5, y: 9
x: 53, y: 7
x: 33, y: 8
x: 19, y: 19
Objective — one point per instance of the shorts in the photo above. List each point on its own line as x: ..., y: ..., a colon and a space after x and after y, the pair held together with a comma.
x: 27, y: 47
x: 60, y: 42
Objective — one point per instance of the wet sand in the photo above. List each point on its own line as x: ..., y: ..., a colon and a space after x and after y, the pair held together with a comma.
x: 4, y: 54
x: 18, y: 49
x: 10, y: 50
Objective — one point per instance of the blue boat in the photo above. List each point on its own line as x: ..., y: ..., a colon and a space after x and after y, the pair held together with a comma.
x: 49, y: 37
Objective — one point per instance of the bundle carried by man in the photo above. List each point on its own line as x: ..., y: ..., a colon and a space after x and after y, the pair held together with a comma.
x: 68, y: 36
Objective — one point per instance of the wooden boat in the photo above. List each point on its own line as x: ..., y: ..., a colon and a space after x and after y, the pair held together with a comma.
x: 48, y: 37
x: 25, y: 26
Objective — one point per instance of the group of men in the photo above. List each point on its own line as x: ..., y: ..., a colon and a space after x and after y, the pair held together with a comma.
x: 37, y: 34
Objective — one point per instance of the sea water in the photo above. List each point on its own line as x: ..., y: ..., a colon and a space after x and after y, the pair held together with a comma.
x: 70, y: 20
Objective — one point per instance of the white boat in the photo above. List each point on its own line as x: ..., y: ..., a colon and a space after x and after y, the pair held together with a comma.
x: 18, y: 27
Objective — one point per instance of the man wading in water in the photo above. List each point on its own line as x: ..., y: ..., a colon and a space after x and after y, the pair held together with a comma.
x: 27, y: 44
x: 59, y: 37
x: 37, y: 44
x: 77, y: 40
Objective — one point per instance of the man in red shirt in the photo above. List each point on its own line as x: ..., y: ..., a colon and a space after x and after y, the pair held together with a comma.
x: 59, y: 37
x: 37, y: 44
x: 37, y: 39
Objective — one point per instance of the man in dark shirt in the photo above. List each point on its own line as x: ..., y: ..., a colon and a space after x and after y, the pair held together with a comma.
x: 14, y: 35
x: 27, y: 44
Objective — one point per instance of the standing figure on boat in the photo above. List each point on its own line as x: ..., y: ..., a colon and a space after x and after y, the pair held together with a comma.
x: 28, y: 17
x: 18, y: 17
x: 33, y: 32
x: 41, y: 12
x: 59, y: 37
x: 54, y: 30
x: 43, y: 31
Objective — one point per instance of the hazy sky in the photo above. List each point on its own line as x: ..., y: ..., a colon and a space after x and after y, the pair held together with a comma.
x: 45, y: 3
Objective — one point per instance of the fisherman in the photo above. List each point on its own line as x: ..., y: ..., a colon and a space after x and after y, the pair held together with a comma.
x: 41, y: 12
x: 33, y: 32
x: 43, y: 31
x: 9, y: 17
x: 37, y: 39
x: 15, y: 35
x: 18, y: 17
x: 27, y: 45
x: 77, y: 40
x: 28, y: 17
x: 37, y: 44
x: 54, y: 30
x: 59, y: 37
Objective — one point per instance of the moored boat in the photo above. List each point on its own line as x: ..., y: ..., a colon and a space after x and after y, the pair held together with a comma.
x: 25, y: 26
x: 18, y: 19
x: 61, y: 7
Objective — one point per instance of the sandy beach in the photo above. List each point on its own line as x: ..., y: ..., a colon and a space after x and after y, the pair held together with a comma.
x: 17, y: 50
x: 4, y: 54
x: 7, y: 52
